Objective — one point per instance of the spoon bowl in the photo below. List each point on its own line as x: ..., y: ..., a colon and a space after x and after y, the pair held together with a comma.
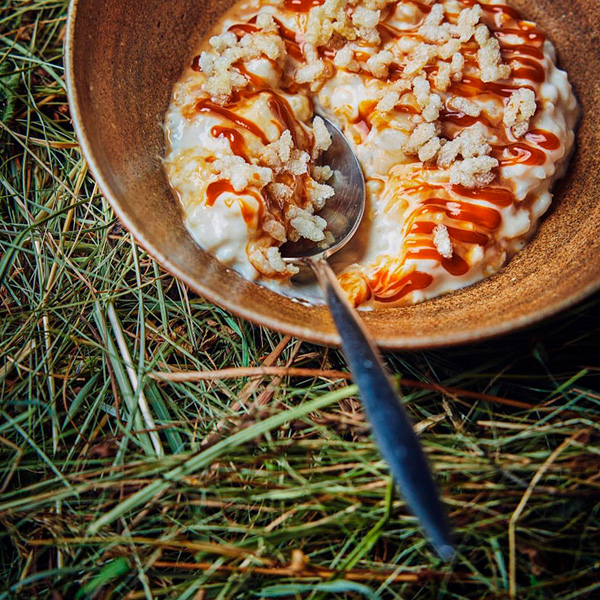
x: 344, y: 211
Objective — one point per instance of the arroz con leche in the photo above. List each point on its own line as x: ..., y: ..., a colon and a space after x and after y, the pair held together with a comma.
x: 459, y: 116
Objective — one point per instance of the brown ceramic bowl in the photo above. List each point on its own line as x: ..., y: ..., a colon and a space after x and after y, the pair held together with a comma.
x: 123, y: 57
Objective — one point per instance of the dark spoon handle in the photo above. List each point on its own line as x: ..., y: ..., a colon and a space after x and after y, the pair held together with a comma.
x: 390, y: 422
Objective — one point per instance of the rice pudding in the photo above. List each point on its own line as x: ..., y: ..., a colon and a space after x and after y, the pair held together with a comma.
x: 456, y: 110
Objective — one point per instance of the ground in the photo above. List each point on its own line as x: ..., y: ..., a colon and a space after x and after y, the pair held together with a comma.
x: 236, y: 487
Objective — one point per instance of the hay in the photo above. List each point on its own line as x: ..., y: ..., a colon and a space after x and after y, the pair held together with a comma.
x: 259, y: 479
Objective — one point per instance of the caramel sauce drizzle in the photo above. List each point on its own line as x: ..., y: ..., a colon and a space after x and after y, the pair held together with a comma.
x: 468, y: 237
x: 284, y: 113
x: 544, y: 139
x: 256, y: 81
x: 289, y: 37
x: 388, y: 291
x: 502, y: 10
x: 241, y: 29
x: 468, y: 222
x: 461, y: 119
x: 216, y: 188
x: 524, y: 50
x: 471, y: 87
x: 527, y: 68
x: 209, y: 106
x: 456, y: 265
x: 367, y: 108
x: 482, y: 216
x: 279, y: 106
x: 363, y: 118
x: 356, y: 287
x: 527, y: 35
x: 519, y: 154
x: 236, y: 140
x: 498, y: 196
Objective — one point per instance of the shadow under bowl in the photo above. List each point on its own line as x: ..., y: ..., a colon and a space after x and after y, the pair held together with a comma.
x: 122, y: 60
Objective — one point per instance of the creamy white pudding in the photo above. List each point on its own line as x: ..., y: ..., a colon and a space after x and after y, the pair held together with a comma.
x: 456, y: 110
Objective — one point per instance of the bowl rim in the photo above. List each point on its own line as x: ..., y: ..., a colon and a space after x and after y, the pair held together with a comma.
x: 441, y: 340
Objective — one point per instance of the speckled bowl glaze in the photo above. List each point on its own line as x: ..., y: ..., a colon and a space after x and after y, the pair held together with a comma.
x: 122, y: 59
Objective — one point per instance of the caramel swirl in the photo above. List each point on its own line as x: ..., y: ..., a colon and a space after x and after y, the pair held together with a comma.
x: 208, y: 106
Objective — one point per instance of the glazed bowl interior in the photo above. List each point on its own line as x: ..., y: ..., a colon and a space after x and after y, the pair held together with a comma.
x: 123, y: 59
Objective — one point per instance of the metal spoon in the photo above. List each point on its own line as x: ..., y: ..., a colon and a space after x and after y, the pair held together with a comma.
x: 390, y: 422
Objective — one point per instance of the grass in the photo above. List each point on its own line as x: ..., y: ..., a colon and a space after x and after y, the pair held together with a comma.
x: 116, y: 482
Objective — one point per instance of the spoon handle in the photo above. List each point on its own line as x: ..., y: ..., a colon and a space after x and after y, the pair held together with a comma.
x: 389, y: 420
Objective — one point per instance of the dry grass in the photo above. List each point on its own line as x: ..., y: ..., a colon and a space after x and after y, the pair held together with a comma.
x: 260, y: 479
